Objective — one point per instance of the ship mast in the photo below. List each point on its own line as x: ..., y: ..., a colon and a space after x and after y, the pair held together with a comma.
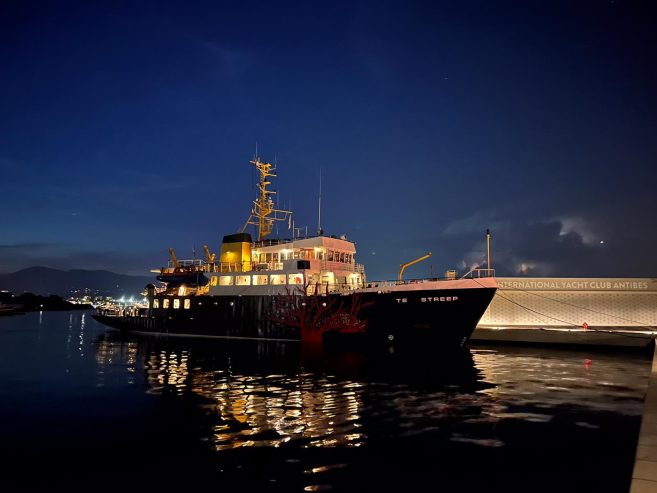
x: 264, y: 213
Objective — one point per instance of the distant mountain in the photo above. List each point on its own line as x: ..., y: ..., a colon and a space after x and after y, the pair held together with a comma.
x: 46, y: 281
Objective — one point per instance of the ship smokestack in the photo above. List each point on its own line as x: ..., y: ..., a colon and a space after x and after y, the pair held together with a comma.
x: 236, y: 252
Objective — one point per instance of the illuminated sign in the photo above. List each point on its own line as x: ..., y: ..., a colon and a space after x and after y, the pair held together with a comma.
x: 577, y: 284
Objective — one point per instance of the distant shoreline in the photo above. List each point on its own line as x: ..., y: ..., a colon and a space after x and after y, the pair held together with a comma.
x: 27, y: 302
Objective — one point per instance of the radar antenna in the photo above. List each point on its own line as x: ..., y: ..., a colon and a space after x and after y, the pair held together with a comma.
x: 263, y: 212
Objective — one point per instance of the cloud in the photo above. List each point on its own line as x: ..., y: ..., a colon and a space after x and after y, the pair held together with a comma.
x: 21, y: 247
x: 580, y: 226
x: 477, y: 223
x: 604, y: 241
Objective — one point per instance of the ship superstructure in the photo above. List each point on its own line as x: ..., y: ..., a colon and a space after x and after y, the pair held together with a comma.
x: 320, y: 264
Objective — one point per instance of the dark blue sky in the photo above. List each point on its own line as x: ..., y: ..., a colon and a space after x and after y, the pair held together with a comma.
x: 127, y: 128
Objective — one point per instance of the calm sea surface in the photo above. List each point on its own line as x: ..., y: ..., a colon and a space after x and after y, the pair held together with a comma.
x: 81, y: 405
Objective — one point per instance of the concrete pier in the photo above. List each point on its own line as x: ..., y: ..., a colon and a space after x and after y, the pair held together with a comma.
x: 644, y: 476
x: 571, y: 311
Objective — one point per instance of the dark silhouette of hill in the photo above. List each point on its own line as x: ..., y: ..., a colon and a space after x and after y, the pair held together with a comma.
x: 28, y: 302
x: 47, y: 281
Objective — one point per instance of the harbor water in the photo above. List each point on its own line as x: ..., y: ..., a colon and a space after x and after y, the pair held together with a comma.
x: 85, y: 406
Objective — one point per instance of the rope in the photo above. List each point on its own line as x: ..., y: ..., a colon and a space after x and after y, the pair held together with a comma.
x: 642, y: 324
x: 535, y: 311
x: 557, y: 319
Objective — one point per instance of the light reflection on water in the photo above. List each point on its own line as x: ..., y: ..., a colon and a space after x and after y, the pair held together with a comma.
x: 334, y: 418
x: 548, y: 379
x: 462, y: 400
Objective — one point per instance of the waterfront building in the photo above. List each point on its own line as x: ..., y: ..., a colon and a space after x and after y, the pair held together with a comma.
x: 570, y: 310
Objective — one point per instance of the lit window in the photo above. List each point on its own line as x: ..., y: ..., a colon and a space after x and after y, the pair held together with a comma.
x: 176, y: 303
x: 156, y: 303
x: 259, y: 280
x: 213, y: 280
x: 226, y: 280
x: 188, y: 304
x: 165, y: 303
x: 277, y: 279
x: 181, y: 290
x: 243, y: 280
x: 295, y: 279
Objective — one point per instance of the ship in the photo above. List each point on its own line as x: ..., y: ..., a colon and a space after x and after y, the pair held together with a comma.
x: 303, y: 288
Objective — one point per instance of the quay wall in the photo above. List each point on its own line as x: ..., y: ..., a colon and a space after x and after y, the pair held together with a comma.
x: 563, y: 302
x: 644, y: 475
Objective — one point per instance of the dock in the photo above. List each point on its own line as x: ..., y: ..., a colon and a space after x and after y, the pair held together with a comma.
x: 605, y: 312
x: 644, y: 475
x: 610, y: 337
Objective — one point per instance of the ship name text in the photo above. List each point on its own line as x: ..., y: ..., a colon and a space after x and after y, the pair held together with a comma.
x: 430, y: 299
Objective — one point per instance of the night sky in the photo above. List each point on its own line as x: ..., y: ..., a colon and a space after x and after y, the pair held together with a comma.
x: 127, y: 128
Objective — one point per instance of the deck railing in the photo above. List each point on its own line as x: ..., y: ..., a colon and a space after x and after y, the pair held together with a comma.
x: 479, y: 273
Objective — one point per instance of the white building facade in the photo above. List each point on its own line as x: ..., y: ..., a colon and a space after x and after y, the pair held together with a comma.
x: 523, y: 302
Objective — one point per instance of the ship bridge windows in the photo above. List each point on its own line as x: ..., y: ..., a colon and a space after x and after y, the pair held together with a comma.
x: 342, y: 257
x: 243, y: 280
x: 277, y: 279
x: 260, y: 279
x: 226, y: 280
x: 296, y: 279
x: 315, y: 253
x: 265, y: 258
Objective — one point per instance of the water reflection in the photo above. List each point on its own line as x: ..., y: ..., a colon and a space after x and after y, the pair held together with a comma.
x: 266, y: 415
x: 268, y: 394
x: 110, y: 353
x: 547, y: 379
x: 406, y: 410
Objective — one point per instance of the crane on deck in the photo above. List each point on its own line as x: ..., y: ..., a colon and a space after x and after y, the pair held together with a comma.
x: 172, y: 254
x: 208, y: 255
x: 407, y: 264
